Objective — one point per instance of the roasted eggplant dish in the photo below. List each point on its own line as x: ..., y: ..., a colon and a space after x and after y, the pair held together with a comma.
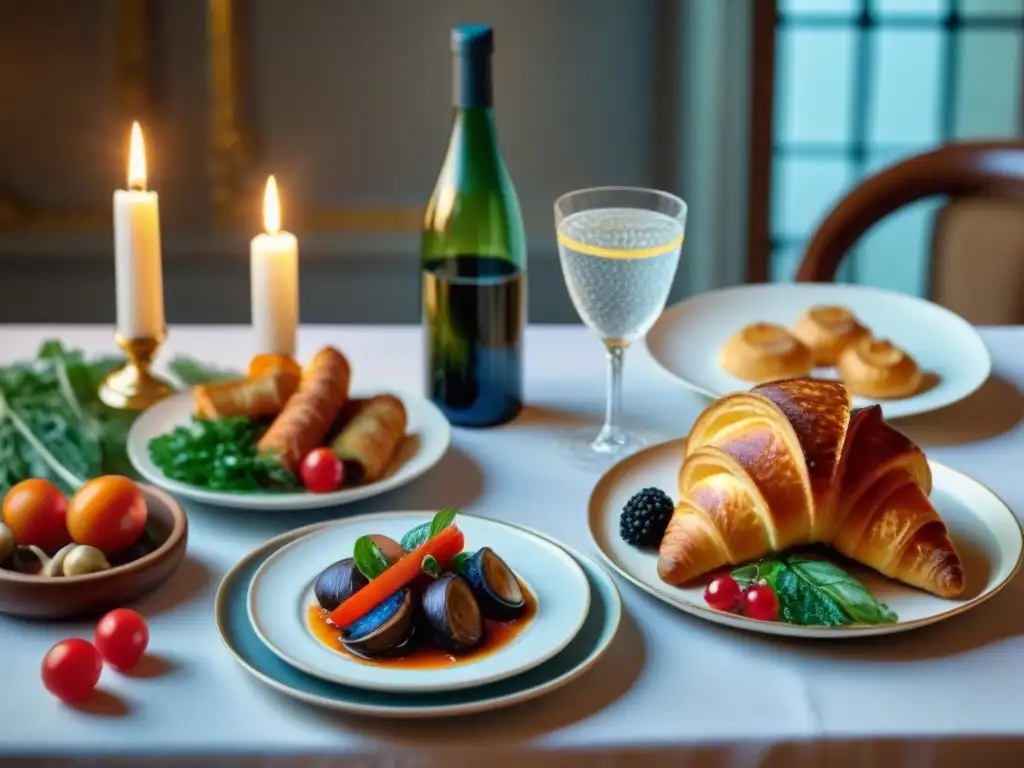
x: 423, y: 595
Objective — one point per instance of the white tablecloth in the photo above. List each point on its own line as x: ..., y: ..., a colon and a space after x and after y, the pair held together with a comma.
x: 672, y: 690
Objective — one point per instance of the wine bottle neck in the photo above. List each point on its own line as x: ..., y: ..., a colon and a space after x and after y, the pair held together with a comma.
x: 471, y: 81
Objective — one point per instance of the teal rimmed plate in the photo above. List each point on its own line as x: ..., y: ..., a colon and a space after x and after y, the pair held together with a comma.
x: 236, y: 631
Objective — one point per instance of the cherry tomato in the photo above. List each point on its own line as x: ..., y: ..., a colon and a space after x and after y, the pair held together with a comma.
x: 36, y: 512
x: 108, y: 513
x: 121, y: 638
x: 723, y: 593
x: 321, y: 471
x: 760, y: 602
x: 71, y: 670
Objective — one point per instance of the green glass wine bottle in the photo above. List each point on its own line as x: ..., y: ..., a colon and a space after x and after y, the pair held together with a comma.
x: 473, y: 257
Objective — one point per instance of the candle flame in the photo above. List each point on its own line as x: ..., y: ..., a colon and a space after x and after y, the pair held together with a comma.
x: 271, y: 208
x: 137, y: 160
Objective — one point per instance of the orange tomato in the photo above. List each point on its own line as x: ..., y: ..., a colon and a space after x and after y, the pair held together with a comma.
x: 108, y: 513
x: 36, y: 512
x: 264, y: 365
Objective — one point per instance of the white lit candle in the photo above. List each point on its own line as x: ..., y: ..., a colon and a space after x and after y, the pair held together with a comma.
x: 274, y: 265
x: 137, y: 264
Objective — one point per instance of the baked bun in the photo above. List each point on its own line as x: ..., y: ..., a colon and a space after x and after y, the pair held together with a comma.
x: 828, y: 331
x: 765, y: 352
x: 879, y: 369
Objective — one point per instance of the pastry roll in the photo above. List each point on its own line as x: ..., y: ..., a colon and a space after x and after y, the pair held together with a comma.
x: 309, y: 414
x: 764, y: 352
x: 828, y: 331
x: 370, y: 438
x: 255, y: 398
x: 879, y: 369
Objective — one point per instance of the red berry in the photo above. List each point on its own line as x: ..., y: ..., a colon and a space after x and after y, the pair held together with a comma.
x: 321, y: 471
x: 121, y: 638
x: 760, y: 602
x: 71, y: 670
x: 723, y: 593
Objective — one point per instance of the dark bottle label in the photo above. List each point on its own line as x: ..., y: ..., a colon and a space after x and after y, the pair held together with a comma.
x: 473, y: 311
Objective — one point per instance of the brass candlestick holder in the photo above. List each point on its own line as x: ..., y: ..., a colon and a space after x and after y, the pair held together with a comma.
x: 133, y: 387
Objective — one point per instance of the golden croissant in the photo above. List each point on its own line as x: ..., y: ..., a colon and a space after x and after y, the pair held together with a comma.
x: 789, y: 463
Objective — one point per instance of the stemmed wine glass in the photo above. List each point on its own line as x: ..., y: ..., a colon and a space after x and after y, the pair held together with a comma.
x: 619, y: 248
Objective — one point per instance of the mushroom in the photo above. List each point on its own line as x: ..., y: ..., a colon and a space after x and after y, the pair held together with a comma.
x: 83, y: 559
x: 7, y: 542
x: 28, y: 560
x: 52, y: 565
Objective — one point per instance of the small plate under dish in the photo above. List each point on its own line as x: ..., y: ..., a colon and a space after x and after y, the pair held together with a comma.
x: 428, y: 435
x: 281, y: 594
x: 232, y: 616
x: 686, y: 339
x: 986, y: 534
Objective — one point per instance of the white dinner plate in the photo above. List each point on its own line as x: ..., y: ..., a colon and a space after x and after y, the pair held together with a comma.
x: 983, y: 529
x: 686, y: 339
x: 586, y: 649
x: 427, y: 438
x: 281, y: 594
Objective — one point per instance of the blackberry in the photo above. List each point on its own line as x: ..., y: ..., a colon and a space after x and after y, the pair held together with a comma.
x: 645, y: 517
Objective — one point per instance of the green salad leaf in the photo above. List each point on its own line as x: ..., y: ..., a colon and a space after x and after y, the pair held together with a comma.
x: 816, y: 592
x: 369, y: 558
x: 220, y: 454
x: 53, y: 424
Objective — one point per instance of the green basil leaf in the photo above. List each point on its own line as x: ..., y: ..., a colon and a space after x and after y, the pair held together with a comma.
x: 749, y: 574
x: 415, y: 537
x: 459, y: 562
x: 745, y: 574
x: 431, y: 567
x: 442, y: 520
x: 853, y: 597
x: 369, y: 558
x: 802, y: 602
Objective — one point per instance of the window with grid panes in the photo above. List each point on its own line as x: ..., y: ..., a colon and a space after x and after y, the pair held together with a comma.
x: 860, y: 84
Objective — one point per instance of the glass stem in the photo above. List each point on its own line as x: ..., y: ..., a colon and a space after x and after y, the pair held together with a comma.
x: 613, y: 405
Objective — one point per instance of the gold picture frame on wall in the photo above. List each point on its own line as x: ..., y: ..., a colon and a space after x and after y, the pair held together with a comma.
x: 233, y: 188
x: 133, y: 72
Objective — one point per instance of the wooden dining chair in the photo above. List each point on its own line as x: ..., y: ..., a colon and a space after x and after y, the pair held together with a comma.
x: 976, y: 264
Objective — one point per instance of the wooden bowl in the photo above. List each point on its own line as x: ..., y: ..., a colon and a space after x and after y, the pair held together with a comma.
x: 39, y: 597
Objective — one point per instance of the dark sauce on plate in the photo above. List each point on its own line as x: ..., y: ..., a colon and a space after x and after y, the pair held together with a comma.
x: 497, y: 635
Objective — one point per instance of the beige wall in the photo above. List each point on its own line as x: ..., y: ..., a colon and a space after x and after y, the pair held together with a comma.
x: 347, y: 102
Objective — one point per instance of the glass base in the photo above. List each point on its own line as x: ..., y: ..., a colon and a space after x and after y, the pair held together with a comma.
x: 588, y: 448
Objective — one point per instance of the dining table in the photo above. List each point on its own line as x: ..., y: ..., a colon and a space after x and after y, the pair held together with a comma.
x: 672, y: 689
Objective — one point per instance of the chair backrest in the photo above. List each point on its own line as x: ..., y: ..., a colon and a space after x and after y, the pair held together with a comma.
x: 979, y: 235
x: 977, y: 260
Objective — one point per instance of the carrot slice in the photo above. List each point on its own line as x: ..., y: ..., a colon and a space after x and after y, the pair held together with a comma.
x: 444, y: 546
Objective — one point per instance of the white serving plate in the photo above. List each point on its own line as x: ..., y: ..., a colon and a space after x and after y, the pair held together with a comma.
x: 686, y: 339
x: 586, y: 649
x: 282, y: 592
x: 986, y: 534
x: 427, y: 438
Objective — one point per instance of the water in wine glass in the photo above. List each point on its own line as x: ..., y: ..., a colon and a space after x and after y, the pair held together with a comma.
x: 619, y: 264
